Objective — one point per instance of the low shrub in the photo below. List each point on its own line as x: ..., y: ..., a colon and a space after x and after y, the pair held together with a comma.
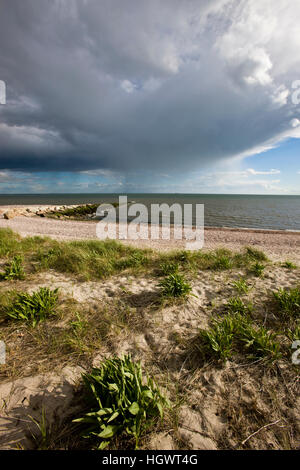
x: 121, y: 401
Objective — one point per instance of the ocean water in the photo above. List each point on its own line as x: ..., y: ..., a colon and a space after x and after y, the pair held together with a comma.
x: 221, y: 210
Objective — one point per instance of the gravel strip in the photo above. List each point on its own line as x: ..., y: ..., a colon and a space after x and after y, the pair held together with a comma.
x: 278, y: 244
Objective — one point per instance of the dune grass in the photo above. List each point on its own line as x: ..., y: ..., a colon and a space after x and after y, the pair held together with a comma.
x: 95, y: 259
x: 287, y: 302
x: 236, y: 334
x: 175, y: 285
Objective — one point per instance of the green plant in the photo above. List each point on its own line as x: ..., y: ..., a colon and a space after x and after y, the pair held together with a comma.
x: 169, y: 268
x: 241, y: 286
x: 14, y: 270
x: 79, y: 324
x: 135, y: 259
x: 217, y: 342
x: 35, y: 307
x: 236, y: 305
x: 260, y: 342
x: 288, y: 301
x: 289, y: 265
x: 42, y: 440
x: 121, y: 401
x: 222, y: 262
x: 294, y: 333
x: 175, y: 285
x: 255, y: 254
x: 257, y: 269
x: 236, y: 333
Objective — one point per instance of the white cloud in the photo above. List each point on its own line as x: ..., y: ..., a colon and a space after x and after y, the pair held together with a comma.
x: 269, y: 172
x: 128, y: 86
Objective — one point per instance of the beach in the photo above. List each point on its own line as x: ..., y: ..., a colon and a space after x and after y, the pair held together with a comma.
x: 278, y: 244
x: 237, y: 391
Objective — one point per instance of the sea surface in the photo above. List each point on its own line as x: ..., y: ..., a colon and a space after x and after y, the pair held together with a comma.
x: 221, y: 210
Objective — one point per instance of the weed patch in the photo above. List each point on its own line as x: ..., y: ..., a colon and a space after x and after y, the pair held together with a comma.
x: 175, y: 285
x: 121, y: 401
x: 33, y: 308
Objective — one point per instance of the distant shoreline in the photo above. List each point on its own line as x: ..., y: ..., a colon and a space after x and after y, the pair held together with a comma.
x: 278, y: 244
x: 4, y: 208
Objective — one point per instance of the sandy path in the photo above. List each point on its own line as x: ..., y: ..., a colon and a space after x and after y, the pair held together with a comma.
x: 278, y: 244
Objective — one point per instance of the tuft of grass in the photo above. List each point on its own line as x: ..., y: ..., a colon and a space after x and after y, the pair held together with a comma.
x: 134, y: 260
x: 167, y: 268
x: 288, y: 302
x: 260, y: 342
x: 257, y: 269
x: 33, y: 308
x: 222, y: 262
x: 293, y: 334
x: 236, y: 305
x: 217, y: 342
x: 255, y: 254
x: 121, y: 401
x: 175, y: 285
x: 233, y: 334
x: 289, y: 265
x: 241, y: 286
x: 14, y: 270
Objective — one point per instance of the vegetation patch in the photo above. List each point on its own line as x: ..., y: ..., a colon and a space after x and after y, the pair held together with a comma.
x: 33, y: 308
x: 175, y: 285
x: 257, y: 269
x: 241, y: 286
x: 14, y: 270
x: 121, y: 401
x: 236, y: 305
x: 288, y: 302
x: 289, y: 265
x: 234, y: 334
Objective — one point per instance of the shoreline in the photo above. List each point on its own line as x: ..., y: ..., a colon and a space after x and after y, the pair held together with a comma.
x: 278, y: 245
x: 41, y: 207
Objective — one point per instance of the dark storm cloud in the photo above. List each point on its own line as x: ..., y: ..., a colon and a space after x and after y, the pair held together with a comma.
x: 139, y: 84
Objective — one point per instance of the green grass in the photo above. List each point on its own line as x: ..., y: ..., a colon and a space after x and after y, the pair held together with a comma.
x: 170, y: 267
x: 257, y: 269
x: 241, y: 286
x: 121, y: 401
x: 33, y: 308
x: 288, y: 302
x: 222, y: 262
x: 91, y: 259
x: 217, y: 342
x: 289, y: 265
x: 175, y: 285
x: 255, y: 254
x: 260, y: 342
x: 14, y: 270
x: 294, y: 333
x: 235, y: 333
x: 236, y: 305
x: 95, y: 259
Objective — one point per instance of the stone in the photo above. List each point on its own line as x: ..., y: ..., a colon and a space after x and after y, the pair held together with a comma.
x: 10, y: 214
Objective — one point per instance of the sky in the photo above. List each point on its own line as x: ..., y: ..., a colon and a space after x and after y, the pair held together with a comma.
x: 150, y: 96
